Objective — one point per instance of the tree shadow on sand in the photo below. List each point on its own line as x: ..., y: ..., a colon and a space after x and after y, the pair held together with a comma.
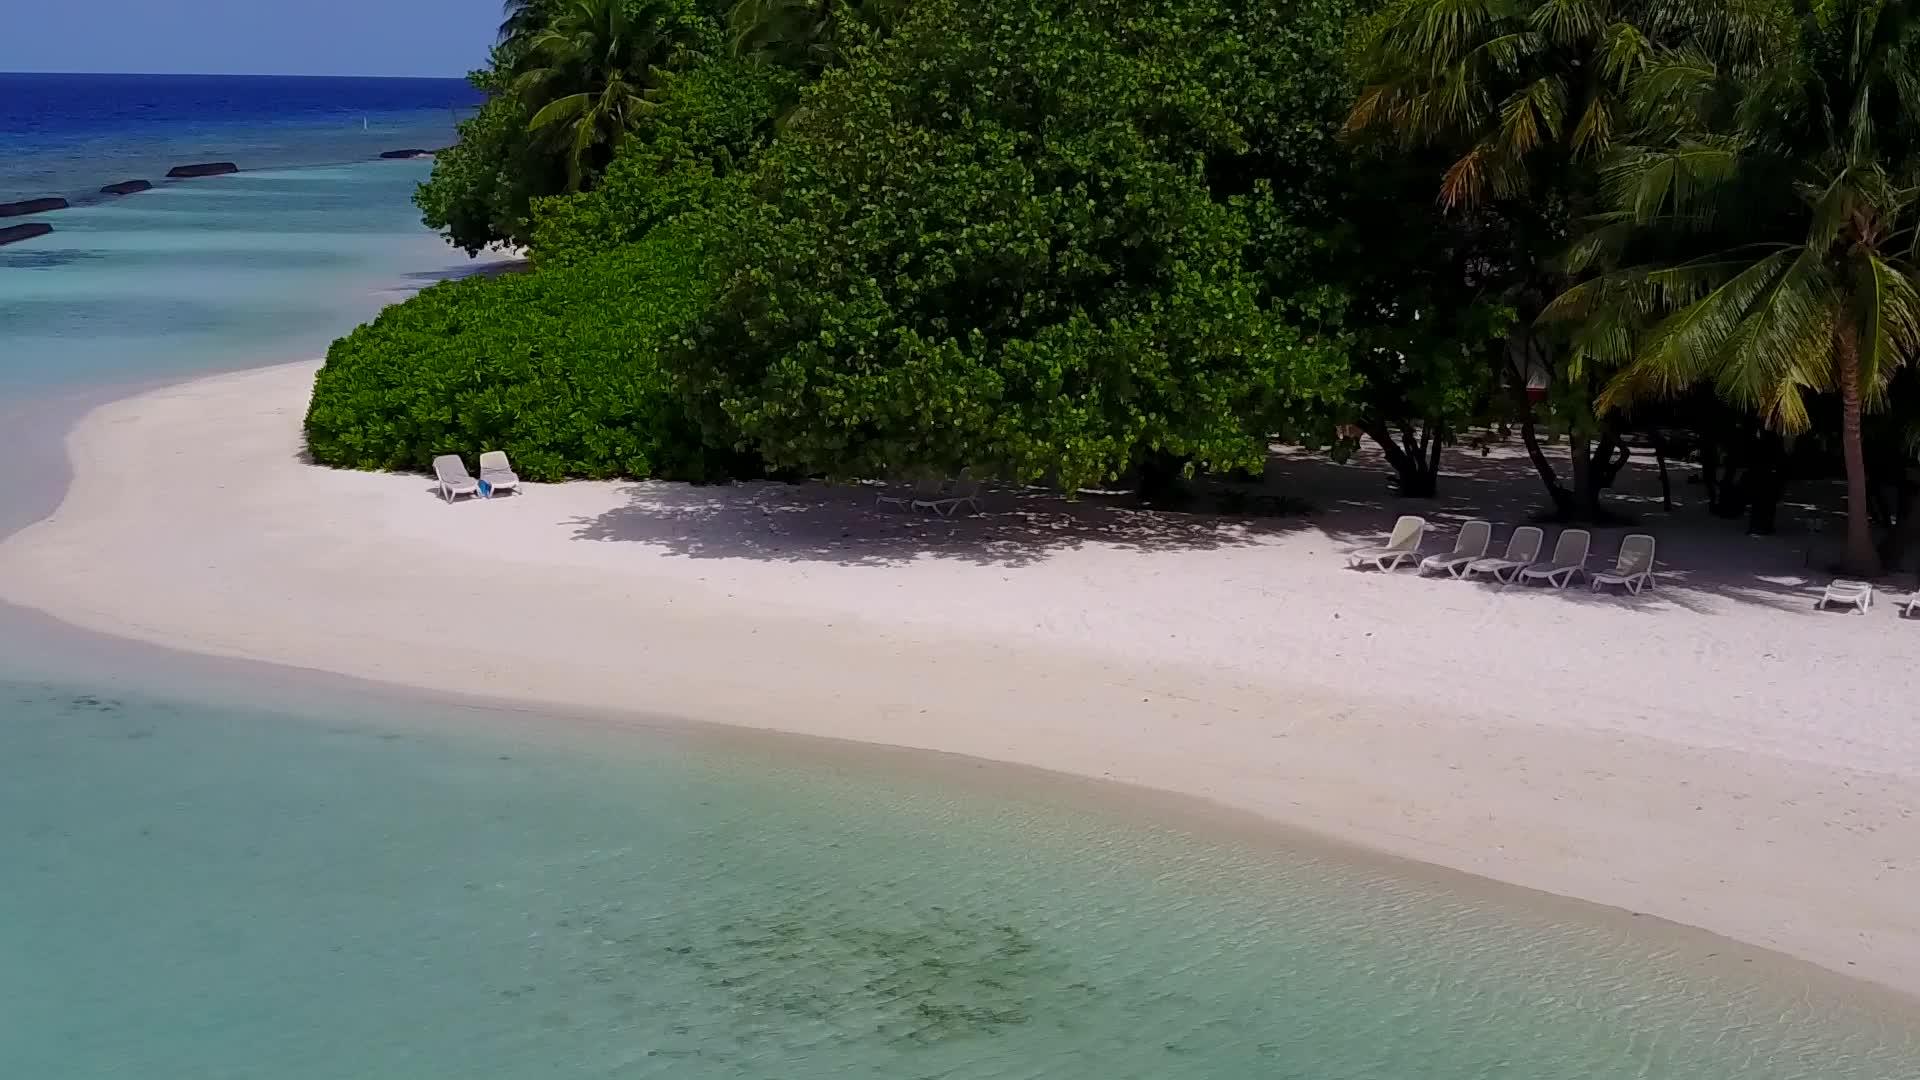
x: 1704, y: 562
x: 818, y: 523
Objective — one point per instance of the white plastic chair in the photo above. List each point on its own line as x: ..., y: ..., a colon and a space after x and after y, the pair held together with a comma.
x: 1633, y: 568
x: 1569, y: 558
x: 924, y: 490
x: 1471, y: 544
x: 1404, y: 544
x: 1522, y: 548
x: 454, y: 479
x: 496, y: 472
x: 1857, y: 594
x: 966, y: 492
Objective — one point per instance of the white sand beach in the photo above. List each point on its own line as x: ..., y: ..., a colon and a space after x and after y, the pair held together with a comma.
x: 1716, y: 752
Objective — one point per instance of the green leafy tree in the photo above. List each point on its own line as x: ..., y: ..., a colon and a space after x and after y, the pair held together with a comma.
x: 1426, y: 314
x: 1780, y: 235
x: 1035, y: 236
x: 587, y: 73
x: 688, y: 153
x: 481, y: 188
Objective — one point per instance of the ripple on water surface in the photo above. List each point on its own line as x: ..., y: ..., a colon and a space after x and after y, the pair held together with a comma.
x: 204, y: 892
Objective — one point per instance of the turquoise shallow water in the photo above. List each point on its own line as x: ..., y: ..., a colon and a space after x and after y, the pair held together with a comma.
x: 215, y: 274
x: 212, y: 892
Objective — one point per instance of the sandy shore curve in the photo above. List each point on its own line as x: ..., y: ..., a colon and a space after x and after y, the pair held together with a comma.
x: 1715, y: 753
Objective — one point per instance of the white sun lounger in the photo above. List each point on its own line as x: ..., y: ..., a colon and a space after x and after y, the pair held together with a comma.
x: 966, y: 492
x: 925, y: 489
x: 497, y: 473
x: 1858, y: 594
x: 1569, y: 558
x: 1404, y: 544
x: 1522, y: 548
x: 1471, y: 544
x: 1634, y: 567
x: 454, y: 479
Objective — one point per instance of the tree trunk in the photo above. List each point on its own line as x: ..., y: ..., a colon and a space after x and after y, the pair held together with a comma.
x: 1893, y: 551
x: 1562, y: 498
x: 1861, y: 559
x: 1710, y: 472
x: 1162, y: 481
x: 1666, y: 484
x: 1511, y: 372
x: 1611, y: 456
x: 1416, y: 466
x: 1605, y: 459
x: 1765, y: 483
x: 1580, y: 448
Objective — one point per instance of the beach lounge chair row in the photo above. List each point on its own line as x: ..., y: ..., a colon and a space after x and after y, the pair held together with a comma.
x: 931, y: 493
x: 496, y: 475
x: 1633, y: 567
x: 1847, y: 592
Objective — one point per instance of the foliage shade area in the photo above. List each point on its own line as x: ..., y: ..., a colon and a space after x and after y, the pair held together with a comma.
x: 560, y: 368
x: 1039, y: 237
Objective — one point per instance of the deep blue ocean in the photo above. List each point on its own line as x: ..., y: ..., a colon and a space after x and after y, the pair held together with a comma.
x: 68, y: 135
x: 224, y: 871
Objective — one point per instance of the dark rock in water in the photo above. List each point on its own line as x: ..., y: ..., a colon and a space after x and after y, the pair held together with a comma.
x: 210, y: 168
x: 31, y: 206
x: 406, y: 153
x: 14, y: 233
x: 126, y: 187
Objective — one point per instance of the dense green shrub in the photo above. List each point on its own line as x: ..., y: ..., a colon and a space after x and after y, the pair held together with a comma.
x: 687, y: 153
x: 1035, y: 235
x: 557, y: 367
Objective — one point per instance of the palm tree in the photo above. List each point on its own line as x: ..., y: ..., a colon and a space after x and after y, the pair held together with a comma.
x: 1771, y: 249
x: 1523, y: 99
x: 1523, y: 93
x: 520, y: 20
x: 588, y: 71
x: 809, y: 36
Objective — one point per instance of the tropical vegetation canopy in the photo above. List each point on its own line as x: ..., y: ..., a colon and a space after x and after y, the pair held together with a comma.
x: 1070, y: 242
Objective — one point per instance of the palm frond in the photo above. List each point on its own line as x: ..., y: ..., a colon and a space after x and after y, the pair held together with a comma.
x: 1835, y: 204
x: 1532, y: 116
x: 1785, y: 342
x: 1568, y: 23
x: 1710, y: 299
x: 1594, y: 132
x: 1668, y: 92
x: 559, y: 110
x: 1681, y: 180
x: 1624, y: 50
x: 1886, y: 309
